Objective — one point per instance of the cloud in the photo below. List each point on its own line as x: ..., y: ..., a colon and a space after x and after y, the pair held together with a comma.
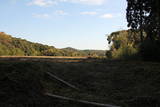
x: 43, y: 3
x: 61, y: 12
x: 110, y: 16
x: 43, y: 16
x: 89, y: 2
x: 107, y: 16
x: 46, y: 3
x: 48, y: 15
x: 88, y: 13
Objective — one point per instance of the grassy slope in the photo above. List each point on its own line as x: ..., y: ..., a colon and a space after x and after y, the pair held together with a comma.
x: 133, y: 84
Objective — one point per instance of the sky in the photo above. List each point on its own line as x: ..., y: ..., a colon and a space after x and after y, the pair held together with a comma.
x: 81, y: 24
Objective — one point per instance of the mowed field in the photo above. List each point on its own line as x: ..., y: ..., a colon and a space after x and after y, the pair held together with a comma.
x: 42, y: 58
x: 24, y: 81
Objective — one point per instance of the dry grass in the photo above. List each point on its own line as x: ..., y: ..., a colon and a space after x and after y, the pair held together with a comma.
x: 125, y: 83
x: 43, y: 58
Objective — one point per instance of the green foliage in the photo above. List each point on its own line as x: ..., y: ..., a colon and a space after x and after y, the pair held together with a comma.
x: 20, y: 47
x: 150, y: 50
x: 89, y: 53
x: 16, y: 51
x: 122, y: 45
x: 144, y: 15
x: 4, y: 50
x: 124, y: 52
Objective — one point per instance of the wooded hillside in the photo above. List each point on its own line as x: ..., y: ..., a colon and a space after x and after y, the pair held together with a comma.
x: 20, y: 47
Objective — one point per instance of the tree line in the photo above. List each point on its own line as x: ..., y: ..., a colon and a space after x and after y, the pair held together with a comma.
x: 21, y: 47
x: 143, y: 38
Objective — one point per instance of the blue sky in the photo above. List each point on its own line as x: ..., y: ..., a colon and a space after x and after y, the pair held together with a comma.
x: 79, y: 24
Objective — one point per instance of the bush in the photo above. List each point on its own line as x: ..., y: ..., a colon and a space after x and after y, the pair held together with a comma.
x: 123, y: 45
x: 150, y: 50
x: 126, y: 52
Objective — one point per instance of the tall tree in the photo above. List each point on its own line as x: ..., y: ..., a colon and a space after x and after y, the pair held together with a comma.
x: 144, y: 15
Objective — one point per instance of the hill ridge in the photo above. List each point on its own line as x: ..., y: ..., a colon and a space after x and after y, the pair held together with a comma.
x: 13, y: 46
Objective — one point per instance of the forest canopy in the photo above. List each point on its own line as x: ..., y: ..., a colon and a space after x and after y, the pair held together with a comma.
x: 10, y: 46
x: 123, y: 44
x: 143, y: 38
x: 144, y: 15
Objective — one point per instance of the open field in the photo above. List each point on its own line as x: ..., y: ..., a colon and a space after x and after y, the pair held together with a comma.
x: 39, y: 57
x: 60, y: 57
x: 122, y: 83
x: 43, y: 58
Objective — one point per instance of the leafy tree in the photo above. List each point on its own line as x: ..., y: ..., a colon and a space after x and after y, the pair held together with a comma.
x: 122, y: 45
x: 144, y: 15
x: 16, y: 46
x: 16, y: 51
x: 4, y: 50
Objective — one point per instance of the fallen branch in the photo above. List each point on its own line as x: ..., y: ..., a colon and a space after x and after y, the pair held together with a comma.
x: 79, y: 101
x: 64, y: 82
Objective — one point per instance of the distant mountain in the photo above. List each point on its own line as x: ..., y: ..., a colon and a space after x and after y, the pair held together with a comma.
x: 95, y: 53
x: 20, y: 47
x: 88, y: 52
x: 70, y: 49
